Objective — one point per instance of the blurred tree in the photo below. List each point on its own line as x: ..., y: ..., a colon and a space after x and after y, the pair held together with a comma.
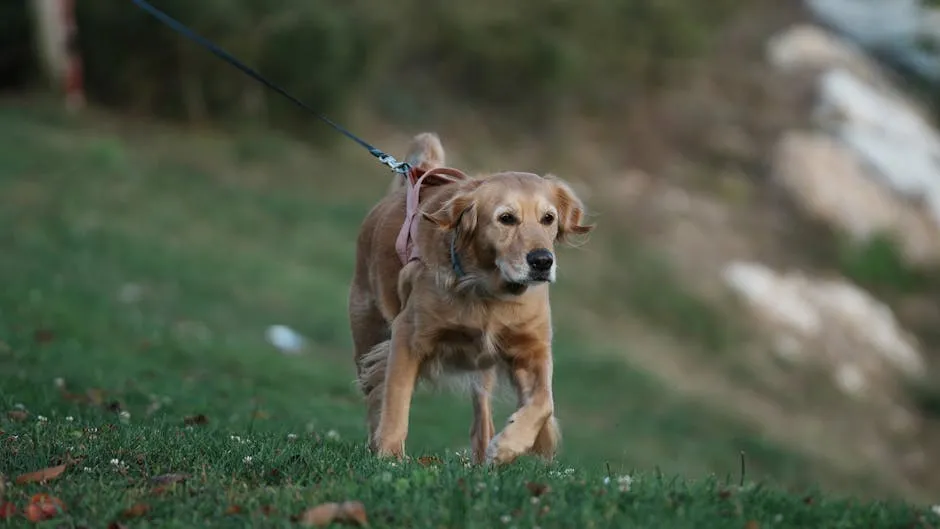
x: 529, y: 59
x: 17, y: 45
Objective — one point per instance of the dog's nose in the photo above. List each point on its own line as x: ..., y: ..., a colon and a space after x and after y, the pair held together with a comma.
x: 540, y: 260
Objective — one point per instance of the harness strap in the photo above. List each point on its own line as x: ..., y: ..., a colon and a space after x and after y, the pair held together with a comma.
x: 406, y: 245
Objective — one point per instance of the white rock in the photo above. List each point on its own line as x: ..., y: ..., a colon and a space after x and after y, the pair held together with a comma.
x: 894, y: 139
x: 848, y: 330
x: 808, y: 47
x: 829, y: 182
x: 285, y: 339
x: 896, y: 28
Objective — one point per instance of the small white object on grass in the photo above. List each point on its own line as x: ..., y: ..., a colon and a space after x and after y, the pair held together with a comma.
x: 285, y: 339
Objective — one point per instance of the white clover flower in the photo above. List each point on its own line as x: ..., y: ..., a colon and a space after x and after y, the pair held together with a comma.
x: 41, y: 418
x: 624, y: 483
x: 291, y: 436
x: 505, y: 518
x: 248, y: 460
x: 69, y: 418
x: 332, y: 434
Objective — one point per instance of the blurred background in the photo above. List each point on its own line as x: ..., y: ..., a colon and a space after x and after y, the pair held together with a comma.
x: 765, y: 176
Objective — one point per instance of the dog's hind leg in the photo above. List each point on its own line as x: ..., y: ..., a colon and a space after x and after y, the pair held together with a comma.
x: 369, y: 331
x: 482, y: 429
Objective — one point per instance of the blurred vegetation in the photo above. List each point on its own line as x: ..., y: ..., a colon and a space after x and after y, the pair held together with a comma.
x: 16, y: 45
x: 535, y: 59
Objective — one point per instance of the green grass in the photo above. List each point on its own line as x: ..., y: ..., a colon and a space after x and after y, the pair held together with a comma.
x: 144, y: 264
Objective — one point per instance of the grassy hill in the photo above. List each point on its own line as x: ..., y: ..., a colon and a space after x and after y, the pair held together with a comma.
x: 141, y: 265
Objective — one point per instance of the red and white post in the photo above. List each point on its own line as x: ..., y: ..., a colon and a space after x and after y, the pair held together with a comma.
x: 56, y: 33
x: 73, y: 81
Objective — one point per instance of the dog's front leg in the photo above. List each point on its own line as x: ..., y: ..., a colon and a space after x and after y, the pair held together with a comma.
x: 401, y: 375
x: 534, y: 420
x: 482, y: 429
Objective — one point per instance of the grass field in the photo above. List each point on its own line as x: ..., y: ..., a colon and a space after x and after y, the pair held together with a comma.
x: 141, y: 266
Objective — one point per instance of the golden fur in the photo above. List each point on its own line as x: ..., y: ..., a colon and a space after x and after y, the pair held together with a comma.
x: 420, y: 320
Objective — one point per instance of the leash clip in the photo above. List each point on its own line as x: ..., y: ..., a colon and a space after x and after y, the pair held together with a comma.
x: 393, y: 164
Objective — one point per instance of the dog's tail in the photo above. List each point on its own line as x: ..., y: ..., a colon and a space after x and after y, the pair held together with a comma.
x: 425, y: 152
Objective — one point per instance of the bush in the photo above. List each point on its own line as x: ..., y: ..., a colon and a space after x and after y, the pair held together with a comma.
x: 527, y: 58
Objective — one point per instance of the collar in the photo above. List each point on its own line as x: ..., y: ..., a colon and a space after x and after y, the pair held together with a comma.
x: 454, y: 257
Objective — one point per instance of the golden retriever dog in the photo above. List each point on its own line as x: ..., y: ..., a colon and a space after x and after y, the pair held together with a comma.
x: 451, y: 278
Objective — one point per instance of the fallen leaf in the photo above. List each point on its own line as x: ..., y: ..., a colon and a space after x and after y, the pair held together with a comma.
x: 196, y: 420
x: 321, y: 515
x: 168, y: 479
x: 136, y: 511
x: 41, y: 475
x: 95, y: 396
x: 355, y: 512
x: 724, y: 494
x: 7, y: 510
x: 116, y: 525
x: 18, y: 415
x: 34, y: 513
x: 43, y: 507
x: 429, y: 460
x: 43, y: 335
x: 752, y: 524
x: 808, y: 500
x: 537, y: 489
x: 327, y: 513
x: 233, y: 509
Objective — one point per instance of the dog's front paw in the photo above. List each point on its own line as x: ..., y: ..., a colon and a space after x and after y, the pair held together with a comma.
x: 394, y: 450
x: 503, y: 449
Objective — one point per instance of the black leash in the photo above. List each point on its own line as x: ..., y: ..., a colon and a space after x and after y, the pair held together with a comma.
x: 386, y: 159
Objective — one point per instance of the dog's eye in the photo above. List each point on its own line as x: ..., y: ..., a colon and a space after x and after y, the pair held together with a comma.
x: 508, y: 219
x: 548, y: 218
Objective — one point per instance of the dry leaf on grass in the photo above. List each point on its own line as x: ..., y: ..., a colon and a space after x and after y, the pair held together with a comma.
x: 537, y: 489
x: 18, y: 415
x: 7, y: 510
x: 327, y: 513
x: 45, y: 474
x: 198, y: 420
x: 136, y: 511
x: 43, y: 507
x: 168, y: 479
x: 43, y: 335
x: 233, y: 509
x: 429, y: 460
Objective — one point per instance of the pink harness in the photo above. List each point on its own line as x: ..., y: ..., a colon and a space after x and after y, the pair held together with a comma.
x: 415, y: 180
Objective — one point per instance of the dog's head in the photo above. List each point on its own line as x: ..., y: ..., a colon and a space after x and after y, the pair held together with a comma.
x: 506, y: 227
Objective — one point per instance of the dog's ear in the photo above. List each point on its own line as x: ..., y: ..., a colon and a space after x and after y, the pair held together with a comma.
x: 570, y: 211
x: 459, y: 209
